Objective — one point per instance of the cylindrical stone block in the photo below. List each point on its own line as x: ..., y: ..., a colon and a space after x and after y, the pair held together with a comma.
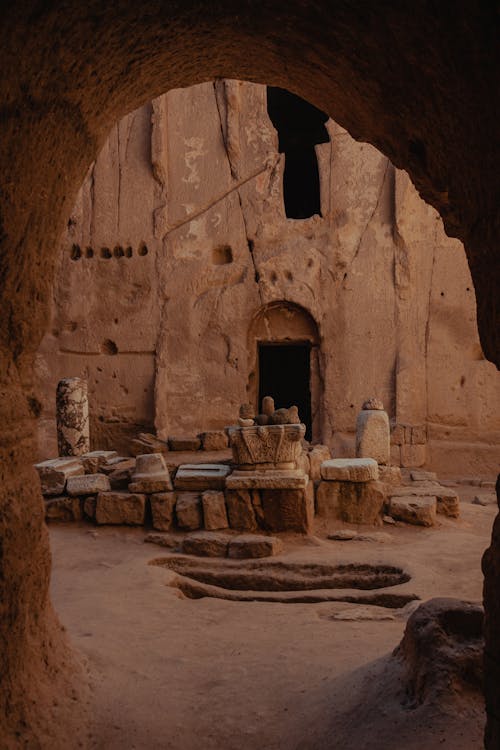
x: 373, y: 438
x: 72, y: 415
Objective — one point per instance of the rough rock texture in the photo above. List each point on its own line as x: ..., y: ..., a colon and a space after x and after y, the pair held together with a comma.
x: 162, y: 510
x: 61, y: 93
x: 349, y: 470
x: 491, y: 601
x: 289, y: 510
x: 88, y: 484
x: 448, y: 502
x: 240, y: 509
x: 63, y: 509
x: 351, y: 502
x: 201, y: 477
x: 55, y: 472
x: 254, y: 545
x: 214, y: 440
x: 206, y: 544
x: 420, y: 511
x: 72, y: 417
x: 120, y: 508
x: 214, y: 510
x: 317, y: 455
x: 442, y: 650
x: 188, y: 511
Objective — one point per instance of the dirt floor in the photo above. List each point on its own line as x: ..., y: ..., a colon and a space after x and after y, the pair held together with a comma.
x: 172, y: 672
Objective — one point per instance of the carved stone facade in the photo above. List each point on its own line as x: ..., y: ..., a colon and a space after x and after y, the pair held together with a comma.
x: 179, y: 260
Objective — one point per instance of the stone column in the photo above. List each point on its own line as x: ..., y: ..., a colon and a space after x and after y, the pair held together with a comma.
x: 373, y: 432
x: 72, y: 413
x: 491, y: 600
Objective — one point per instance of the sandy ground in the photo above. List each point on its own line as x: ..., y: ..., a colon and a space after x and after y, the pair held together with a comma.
x: 207, y: 674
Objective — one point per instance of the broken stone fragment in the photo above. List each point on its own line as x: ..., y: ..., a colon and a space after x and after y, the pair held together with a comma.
x: 245, y: 422
x: 171, y: 541
x: 214, y: 510
x: 262, y: 419
x: 280, y: 416
x: 254, y: 545
x: 94, y: 460
x: 201, y: 476
x: 162, y: 510
x: 89, y: 506
x: 420, y: 511
x: 486, y: 499
x: 268, y: 406
x: 184, y: 443
x: 293, y: 415
x: 206, y: 544
x: 214, y: 440
x: 373, y: 435
x: 351, y: 502
x: 63, y: 509
x: 88, y: 484
x: 372, y: 404
x: 54, y: 473
x: 240, y: 509
x: 247, y: 411
x: 349, y: 469
x: 413, y: 455
x: 188, y: 511
x: 418, y: 475
x: 151, y: 474
x: 390, y: 475
x: 120, y: 508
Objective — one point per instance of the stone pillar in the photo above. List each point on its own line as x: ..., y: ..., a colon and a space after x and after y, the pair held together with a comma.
x: 373, y: 434
x: 72, y: 414
x: 491, y: 600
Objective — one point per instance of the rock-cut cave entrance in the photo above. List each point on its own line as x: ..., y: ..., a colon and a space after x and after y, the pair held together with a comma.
x: 285, y: 374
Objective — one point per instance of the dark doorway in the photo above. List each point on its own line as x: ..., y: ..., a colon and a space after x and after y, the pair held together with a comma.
x: 284, y: 374
x: 300, y: 127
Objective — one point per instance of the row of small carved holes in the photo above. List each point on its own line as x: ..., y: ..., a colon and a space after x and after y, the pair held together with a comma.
x: 76, y: 252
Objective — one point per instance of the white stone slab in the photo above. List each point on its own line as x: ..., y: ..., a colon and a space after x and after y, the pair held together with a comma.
x: 349, y: 469
x: 201, y: 476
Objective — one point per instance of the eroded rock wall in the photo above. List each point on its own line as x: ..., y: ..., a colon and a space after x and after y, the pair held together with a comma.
x: 178, y: 242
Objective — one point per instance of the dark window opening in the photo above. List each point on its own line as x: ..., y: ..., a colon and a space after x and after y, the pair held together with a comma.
x: 285, y: 374
x: 300, y: 127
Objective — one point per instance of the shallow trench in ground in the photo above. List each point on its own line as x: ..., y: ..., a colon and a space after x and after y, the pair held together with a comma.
x: 170, y: 671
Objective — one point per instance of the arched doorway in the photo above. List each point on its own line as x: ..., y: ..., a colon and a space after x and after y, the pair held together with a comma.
x: 284, y: 350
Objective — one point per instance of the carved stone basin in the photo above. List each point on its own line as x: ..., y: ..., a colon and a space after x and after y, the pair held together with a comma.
x: 266, y: 447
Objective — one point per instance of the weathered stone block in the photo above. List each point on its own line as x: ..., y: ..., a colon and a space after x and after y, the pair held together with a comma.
x: 240, y: 509
x: 419, y: 434
x: 214, y: 510
x: 398, y: 434
x: 272, y: 479
x: 413, y: 455
x: 303, y: 463
x: 317, y: 455
x: 349, y: 469
x: 88, y: 484
x: 151, y: 474
x: 201, y: 476
x: 289, y: 510
x: 93, y: 460
x: 416, y: 510
x: 351, y: 502
x: 448, y: 502
x: 120, y: 508
x: 206, y: 544
x: 184, y: 443
x: 373, y: 435
x: 89, y: 506
x: 63, y: 509
x: 54, y: 473
x: 162, y: 510
x: 423, y: 476
x: 188, y: 511
x: 254, y: 545
x: 214, y: 440
x: 390, y: 475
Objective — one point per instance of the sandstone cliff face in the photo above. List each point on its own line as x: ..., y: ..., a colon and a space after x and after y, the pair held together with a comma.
x: 179, y: 257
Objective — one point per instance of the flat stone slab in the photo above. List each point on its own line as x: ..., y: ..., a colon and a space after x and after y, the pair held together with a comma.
x: 346, y: 535
x: 486, y: 499
x: 267, y: 480
x: 54, y: 473
x: 448, y: 502
x: 419, y: 475
x: 349, y: 469
x: 88, y: 484
x: 63, y: 509
x: 420, y: 511
x: 120, y: 508
x: 206, y: 544
x: 201, y: 476
x: 254, y: 545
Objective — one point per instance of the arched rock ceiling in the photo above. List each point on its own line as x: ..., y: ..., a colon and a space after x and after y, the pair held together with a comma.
x: 417, y: 80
